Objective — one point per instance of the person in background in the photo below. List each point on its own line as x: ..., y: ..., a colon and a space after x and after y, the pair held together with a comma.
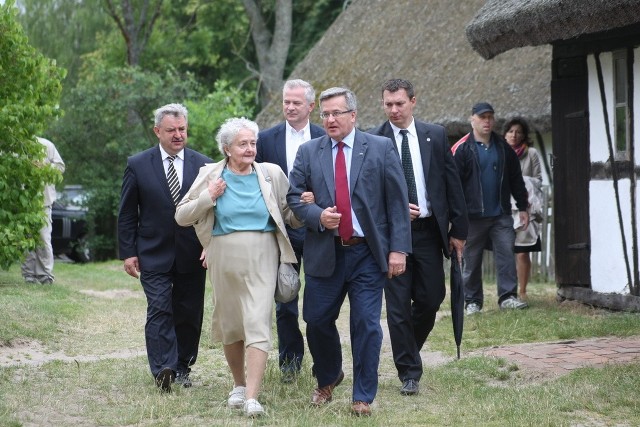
x: 238, y: 208
x: 516, y: 133
x: 490, y: 174
x: 357, y: 232
x: 164, y: 255
x: 38, y: 264
x: 439, y: 226
x: 279, y: 144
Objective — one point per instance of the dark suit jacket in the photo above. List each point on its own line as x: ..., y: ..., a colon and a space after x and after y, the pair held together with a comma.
x: 146, y: 225
x: 378, y: 198
x: 272, y: 144
x: 441, y: 178
x: 272, y: 148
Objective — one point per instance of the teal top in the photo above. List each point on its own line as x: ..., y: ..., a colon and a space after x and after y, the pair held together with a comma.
x: 241, y: 207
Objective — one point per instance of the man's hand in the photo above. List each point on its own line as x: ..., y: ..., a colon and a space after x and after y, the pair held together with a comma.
x: 397, y: 264
x: 457, y: 245
x: 131, y: 266
x: 414, y: 211
x: 330, y: 218
x: 524, y: 219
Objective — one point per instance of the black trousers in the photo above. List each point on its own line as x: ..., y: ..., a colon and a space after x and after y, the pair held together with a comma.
x: 175, y: 308
x: 414, y: 298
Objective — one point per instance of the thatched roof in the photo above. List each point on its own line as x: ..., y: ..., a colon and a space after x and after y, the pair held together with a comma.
x: 423, y: 41
x: 501, y: 25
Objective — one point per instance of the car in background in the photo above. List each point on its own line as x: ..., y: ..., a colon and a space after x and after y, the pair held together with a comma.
x: 69, y: 224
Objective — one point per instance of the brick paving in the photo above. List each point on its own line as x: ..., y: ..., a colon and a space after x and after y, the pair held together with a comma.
x: 558, y: 358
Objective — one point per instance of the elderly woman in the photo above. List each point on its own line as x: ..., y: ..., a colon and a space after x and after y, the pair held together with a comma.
x: 239, y: 210
x: 516, y: 133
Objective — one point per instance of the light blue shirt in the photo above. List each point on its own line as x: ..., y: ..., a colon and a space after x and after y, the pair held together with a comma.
x: 241, y: 207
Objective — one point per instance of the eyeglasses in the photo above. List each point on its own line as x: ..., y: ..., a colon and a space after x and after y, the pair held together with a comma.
x: 334, y: 114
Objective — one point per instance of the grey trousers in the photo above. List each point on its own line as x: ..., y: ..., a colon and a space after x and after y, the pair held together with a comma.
x: 500, y: 230
x: 38, y: 264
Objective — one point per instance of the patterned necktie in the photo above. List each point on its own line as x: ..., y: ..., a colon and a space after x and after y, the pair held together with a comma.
x: 407, y: 167
x: 343, y: 202
x: 172, y: 179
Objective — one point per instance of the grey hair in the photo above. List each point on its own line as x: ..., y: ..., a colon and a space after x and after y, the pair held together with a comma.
x: 309, y: 91
x: 175, y: 110
x: 230, y: 129
x: 350, y: 97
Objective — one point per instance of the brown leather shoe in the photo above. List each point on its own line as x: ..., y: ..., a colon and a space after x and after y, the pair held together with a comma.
x: 360, y: 409
x: 322, y: 395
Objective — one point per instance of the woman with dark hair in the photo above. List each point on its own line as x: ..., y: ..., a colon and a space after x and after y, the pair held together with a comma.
x: 516, y: 132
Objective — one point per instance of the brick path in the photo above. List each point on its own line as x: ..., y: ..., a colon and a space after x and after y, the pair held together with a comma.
x: 557, y: 358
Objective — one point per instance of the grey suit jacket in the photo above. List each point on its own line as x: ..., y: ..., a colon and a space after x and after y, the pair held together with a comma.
x: 442, y: 180
x: 378, y: 198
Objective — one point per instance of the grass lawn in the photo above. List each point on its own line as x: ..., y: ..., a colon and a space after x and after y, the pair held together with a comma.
x: 73, y: 354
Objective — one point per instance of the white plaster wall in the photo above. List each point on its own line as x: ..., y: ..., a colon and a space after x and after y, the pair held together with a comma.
x: 598, y: 135
x: 608, y: 268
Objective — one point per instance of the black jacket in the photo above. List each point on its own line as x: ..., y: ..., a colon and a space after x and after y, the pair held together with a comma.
x: 465, y: 153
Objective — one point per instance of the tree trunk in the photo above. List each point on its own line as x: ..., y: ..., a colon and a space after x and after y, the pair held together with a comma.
x: 135, y: 29
x: 272, y: 49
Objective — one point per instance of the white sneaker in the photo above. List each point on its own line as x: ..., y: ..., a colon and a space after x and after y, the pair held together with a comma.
x: 253, y: 408
x: 472, y: 308
x: 236, y: 398
x: 513, y: 303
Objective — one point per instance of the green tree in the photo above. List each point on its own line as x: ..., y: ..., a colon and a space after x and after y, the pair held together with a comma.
x: 108, y: 117
x: 64, y: 30
x: 30, y: 90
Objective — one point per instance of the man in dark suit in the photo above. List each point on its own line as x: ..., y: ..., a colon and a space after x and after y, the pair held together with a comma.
x: 166, y: 255
x: 358, y: 232
x: 439, y: 224
x: 279, y: 144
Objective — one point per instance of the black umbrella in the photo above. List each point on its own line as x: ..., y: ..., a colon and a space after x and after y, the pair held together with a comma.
x: 457, y: 298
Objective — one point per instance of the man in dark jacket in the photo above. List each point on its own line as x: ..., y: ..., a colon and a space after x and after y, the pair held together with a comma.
x: 490, y: 173
x: 279, y: 144
x: 164, y: 255
x: 438, y: 225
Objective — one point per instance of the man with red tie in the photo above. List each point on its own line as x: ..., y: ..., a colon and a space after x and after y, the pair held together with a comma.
x: 358, y: 233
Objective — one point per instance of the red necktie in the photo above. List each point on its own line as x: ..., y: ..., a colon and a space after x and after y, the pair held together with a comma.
x: 343, y: 203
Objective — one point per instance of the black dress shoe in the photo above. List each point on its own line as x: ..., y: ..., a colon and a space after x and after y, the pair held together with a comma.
x: 182, y: 378
x: 409, y: 387
x: 164, y: 379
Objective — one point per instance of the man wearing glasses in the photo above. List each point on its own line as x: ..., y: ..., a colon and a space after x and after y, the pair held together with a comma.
x: 358, y: 233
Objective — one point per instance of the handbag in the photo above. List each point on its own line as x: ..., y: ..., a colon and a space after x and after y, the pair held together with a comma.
x: 288, y: 283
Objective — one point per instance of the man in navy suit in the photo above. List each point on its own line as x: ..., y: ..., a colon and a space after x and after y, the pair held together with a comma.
x: 166, y: 255
x: 439, y: 224
x: 279, y: 144
x: 358, y: 232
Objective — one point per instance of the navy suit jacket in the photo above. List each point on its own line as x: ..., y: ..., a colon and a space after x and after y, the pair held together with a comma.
x: 272, y: 148
x: 378, y: 198
x: 272, y: 144
x: 146, y: 225
x: 442, y: 180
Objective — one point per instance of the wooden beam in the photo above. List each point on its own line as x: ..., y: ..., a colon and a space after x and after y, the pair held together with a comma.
x: 611, y: 301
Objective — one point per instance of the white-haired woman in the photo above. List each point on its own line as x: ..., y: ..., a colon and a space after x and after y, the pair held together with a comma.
x: 239, y: 210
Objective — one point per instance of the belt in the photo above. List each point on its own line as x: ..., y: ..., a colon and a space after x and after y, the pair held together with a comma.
x: 351, y: 242
x: 423, y: 223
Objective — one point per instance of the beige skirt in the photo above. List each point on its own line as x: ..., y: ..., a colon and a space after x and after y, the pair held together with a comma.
x: 243, y: 267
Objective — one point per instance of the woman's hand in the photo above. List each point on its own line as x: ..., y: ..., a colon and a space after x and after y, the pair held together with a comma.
x: 216, y: 188
x: 307, y: 197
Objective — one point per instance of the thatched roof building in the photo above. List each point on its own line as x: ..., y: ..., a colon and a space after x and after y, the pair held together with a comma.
x: 501, y: 25
x: 423, y: 41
